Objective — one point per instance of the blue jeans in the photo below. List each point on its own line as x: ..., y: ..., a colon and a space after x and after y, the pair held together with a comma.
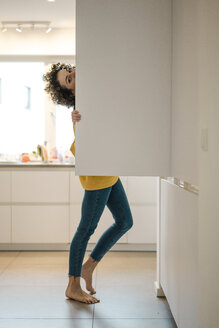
x: 93, y: 205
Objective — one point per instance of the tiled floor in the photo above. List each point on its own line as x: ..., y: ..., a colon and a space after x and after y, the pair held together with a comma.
x: 32, y: 292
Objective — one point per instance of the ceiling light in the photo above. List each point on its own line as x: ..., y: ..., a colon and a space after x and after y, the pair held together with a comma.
x: 51, y: 0
x: 49, y: 29
x: 20, y: 25
x: 18, y: 28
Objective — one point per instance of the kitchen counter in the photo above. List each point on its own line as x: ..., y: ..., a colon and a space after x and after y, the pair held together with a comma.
x: 35, y: 164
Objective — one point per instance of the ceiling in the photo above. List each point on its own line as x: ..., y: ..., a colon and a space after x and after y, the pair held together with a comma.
x: 61, y: 13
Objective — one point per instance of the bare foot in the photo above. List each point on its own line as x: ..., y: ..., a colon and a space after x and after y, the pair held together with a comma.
x: 80, y: 295
x: 87, y: 272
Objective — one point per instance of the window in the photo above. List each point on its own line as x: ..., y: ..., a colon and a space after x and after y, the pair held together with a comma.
x: 0, y: 91
x: 64, y: 128
x: 21, y: 130
x: 28, y: 117
x: 27, y: 97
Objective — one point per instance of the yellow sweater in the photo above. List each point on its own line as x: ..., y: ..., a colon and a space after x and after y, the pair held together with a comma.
x: 94, y: 182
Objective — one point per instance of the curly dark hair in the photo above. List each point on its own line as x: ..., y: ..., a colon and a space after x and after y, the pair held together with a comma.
x: 59, y: 94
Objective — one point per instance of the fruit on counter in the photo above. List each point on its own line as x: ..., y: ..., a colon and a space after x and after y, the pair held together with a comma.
x: 25, y: 157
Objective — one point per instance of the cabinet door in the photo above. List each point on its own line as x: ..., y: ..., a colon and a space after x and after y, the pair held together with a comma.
x: 40, y: 224
x: 143, y: 230
x: 5, y: 224
x: 179, y: 252
x: 123, y: 89
x: 142, y: 196
x: 40, y: 186
x: 5, y: 186
x: 76, y: 189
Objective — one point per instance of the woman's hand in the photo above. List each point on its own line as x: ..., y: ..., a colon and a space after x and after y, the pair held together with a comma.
x: 75, y: 116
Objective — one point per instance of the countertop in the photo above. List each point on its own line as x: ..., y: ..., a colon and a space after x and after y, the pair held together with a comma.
x: 34, y: 164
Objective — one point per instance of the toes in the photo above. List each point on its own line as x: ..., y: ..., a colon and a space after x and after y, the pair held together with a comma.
x: 96, y: 300
x: 89, y: 300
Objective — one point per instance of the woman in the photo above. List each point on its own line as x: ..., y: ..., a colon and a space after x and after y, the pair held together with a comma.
x: 99, y: 191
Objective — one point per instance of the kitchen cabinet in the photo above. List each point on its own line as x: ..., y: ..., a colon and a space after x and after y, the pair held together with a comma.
x: 141, y: 193
x: 123, y: 89
x: 5, y: 186
x: 40, y: 224
x: 144, y: 227
x: 42, y: 205
x: 178, y: 254
x: 5, y: 224
x: 5, y: 209
x: 42, y: 186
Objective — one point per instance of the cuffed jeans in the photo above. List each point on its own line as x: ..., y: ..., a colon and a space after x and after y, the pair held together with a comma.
x: 93, y: 205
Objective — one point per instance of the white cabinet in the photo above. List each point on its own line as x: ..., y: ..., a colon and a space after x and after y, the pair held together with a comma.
x: 76, y: 189
x: 5, y: 209
x: 123, y: 56
x: 142, y: 190
x: 40, y: 186
x: 142, y: 196
x: 42, y: 205
x: 5, y: 186
x: 5, y: 224
x: 179, y: 252
x: 40, y: 224
x: 143, y: 230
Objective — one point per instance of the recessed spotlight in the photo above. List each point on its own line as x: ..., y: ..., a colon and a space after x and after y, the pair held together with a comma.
x: 51, y: 0
x: 18, y: 29
x: 49, y: 29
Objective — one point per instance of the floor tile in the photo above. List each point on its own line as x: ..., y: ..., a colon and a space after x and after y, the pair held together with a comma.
x: 38, y: 270
x: 129, y: 302
x: 134, y: 323
x: 46, y: 323
x: 40, y: 302
x: 34, y: 274
x: 137, y: 270
x: 7, y: 258
x: 42, y: 257
x: 33, y: 283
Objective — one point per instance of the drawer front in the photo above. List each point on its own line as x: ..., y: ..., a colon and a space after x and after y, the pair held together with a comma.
x: 5, y: 186
x: 40, y: 224
x: 5, y: 224
x: 142, y: 190
x: 36, y: 186
x: 76, y: 189
x: 143, y: 230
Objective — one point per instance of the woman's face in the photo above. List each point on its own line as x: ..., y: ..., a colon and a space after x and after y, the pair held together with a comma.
x: 66, y: 78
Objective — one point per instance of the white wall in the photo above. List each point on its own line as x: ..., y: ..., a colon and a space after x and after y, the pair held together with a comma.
x: 184, y: 160
x: 57, y: 42
x: 209, y: 164
x: 195, y: 107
